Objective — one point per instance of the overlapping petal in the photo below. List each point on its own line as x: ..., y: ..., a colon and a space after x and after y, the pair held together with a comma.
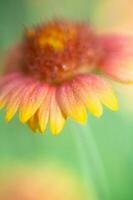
x: 40, y: 103
x: 14, y: 100
x: 118, y: 58
x: 56, y: 117
x: 44, y: 111
x: 87, y: 95
x: 33, y: 123
x: 70, y: 104
x: 9, y: 85
x: 46, y: 93
x: 33, y: 97
x: 94, y: 90
x: 48, y: 112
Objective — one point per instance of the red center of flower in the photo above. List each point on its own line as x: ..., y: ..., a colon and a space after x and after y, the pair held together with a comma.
x: 59, y: 50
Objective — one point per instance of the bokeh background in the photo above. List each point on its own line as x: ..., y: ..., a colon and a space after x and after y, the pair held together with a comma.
x: 91, y: 162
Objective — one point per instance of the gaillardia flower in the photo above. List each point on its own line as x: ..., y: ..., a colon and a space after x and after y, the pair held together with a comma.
x: 56, y: 71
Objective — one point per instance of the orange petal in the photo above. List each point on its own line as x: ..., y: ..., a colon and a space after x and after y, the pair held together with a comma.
x: 33, y: 123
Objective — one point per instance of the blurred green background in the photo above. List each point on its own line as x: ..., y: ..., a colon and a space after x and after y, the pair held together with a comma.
x: 102, y: 159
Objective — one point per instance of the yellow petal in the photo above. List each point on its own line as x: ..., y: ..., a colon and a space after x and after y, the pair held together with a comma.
x: 7, y: 90
x: 99, y: 90
x: 31, y: 102
x: 70, y: 104
x: 43, y: 112
x: 109, y: 99
x: 106, y: 94
x: 10, y: 112
x: 33, y: 123
x: 3, y: 102
x: 88, y: 97
x: 56, y: 117
x: 13, y: 102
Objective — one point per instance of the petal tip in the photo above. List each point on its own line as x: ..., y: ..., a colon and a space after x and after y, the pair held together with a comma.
x: 57, y: 128
x: 8, y: 117
x: 23, y: 117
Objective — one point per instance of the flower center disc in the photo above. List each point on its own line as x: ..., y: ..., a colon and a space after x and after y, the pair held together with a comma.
x: 58, y: 50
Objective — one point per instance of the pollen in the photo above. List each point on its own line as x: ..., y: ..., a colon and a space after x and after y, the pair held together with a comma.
x: 59, y: 50
x: 53, y: 38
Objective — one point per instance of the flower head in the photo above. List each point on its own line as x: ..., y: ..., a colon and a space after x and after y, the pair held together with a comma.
x: 55, y: 74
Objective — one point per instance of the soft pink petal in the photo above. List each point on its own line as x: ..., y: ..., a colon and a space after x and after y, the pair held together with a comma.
x: 4, y: 79
x: 15, y: 98
x: 118, y: 57
x: 9, y: 87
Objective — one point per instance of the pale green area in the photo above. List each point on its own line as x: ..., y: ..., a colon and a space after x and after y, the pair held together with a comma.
x: 105, y: 152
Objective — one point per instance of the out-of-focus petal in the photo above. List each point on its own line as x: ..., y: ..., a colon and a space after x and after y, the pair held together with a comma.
x: 88, y: 96
x: 56, y: 118
x: 43, y: 111
x: 8, y: 78
x: 101, y: 89
x: 106, y: 93
x: 70, y: 104
x: 7, y: 86
x: 32, y: 100
x: 13, y: 102
x: 118, y: 57
x: 13, y: 58
x: 33, y: 123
